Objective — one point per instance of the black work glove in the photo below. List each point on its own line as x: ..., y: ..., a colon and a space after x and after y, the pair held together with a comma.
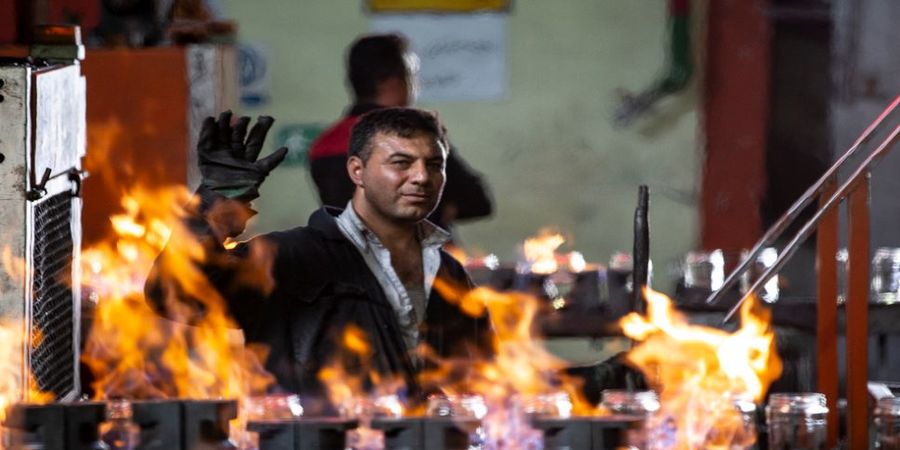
x: 228, y: 160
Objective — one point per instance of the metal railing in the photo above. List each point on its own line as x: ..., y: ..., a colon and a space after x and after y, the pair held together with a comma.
x: 855, y: 189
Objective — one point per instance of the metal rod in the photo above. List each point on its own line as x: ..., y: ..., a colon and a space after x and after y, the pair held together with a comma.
x: 794, y: 211
x: 858, y: 317
x: 641, y: 258
x: 810, y: 225
x: 827, y: 313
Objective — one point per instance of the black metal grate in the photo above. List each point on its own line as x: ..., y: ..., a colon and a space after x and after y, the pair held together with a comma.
x: 53, y: 327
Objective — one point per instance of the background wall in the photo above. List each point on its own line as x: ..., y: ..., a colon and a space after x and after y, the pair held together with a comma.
x: 548, y: 150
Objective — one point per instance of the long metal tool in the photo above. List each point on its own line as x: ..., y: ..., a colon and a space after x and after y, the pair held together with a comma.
x: 802, y: 203
x: 641, y: 259
x: 810, y: 225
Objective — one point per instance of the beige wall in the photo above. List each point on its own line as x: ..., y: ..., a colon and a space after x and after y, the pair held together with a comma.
x: 548, y: 150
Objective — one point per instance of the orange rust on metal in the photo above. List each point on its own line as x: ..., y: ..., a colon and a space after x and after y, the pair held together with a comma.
x: 57, y: 35
x: 858, y: 316
x: 826, y: 319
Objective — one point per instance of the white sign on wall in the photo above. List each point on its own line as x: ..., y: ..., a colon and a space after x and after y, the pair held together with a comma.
x: 462, y: 56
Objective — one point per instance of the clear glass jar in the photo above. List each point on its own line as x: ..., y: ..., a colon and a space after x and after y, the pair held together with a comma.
x: 632, y: 403
x: 886, y: 276
x: 887, y: 423
x: 119, y: 432
x: 273, y: 407
x: 471, y: 406
x: 770, y: 291
x: 797, y: 421
x: 703, y: 270
x: 553, y: 404
x: 733, y: 431
x: 364, y: 437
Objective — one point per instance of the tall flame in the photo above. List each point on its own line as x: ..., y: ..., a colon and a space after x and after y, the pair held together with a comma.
x: 135, y: 353
x: 520, y: 371
x: 701, y: 372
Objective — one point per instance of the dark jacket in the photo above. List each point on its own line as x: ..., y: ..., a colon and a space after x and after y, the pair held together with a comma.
x: 321, y: 286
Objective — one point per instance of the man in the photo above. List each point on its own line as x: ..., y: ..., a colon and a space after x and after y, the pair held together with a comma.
x: 372, y: 266
x: 381, y: 72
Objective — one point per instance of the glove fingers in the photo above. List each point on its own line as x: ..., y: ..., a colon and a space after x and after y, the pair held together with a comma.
x: 207, y: 141
x: 224, y: 127
x: 270, y: 162
x: 257, y: 137
x: 237, y: 137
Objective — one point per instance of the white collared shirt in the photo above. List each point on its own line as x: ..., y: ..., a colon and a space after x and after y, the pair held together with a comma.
x: 410, y: 310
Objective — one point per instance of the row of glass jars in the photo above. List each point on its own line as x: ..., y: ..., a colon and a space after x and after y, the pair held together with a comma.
x: 796, y: 421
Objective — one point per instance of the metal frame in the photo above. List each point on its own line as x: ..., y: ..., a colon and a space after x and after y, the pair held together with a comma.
x: 855, y: 190
x: 34, y: 168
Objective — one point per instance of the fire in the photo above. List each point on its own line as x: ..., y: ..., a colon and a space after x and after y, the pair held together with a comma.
x: 519, y: 374
x: 135, y: 353
x: 540, y: 251
x: 12, y: 387
x: 541, y: 254
x: 701, y: 373
x: 358, y: 391
x: 16, y: 382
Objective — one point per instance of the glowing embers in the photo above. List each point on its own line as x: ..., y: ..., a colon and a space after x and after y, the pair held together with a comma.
x: 706, y: 378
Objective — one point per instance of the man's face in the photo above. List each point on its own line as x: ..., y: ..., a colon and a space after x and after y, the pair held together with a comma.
x: 403, y: 177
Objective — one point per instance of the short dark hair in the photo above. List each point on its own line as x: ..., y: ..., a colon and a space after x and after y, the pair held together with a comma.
x: 402, y: 122
x: 373, y: 59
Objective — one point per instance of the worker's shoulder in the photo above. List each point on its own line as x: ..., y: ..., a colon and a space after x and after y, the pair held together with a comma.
x: 335, y: 140
x: 320, y: 235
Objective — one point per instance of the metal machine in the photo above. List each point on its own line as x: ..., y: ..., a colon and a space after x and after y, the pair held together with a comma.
x: 42, y: 142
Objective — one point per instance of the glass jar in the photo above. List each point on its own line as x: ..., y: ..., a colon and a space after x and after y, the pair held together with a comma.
x: 735, y: 430
x: 632, y: 403
x: 465, y: 405
x: 119, y: 432
x: 886, y: 276
x: 770, y: 291
x: 273, y: 407
x: 797, y: 421
x: 553, y: 404
x: 703, y: 270
x: 887, y: 423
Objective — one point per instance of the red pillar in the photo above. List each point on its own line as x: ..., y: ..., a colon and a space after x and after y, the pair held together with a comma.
x: 734, y: 121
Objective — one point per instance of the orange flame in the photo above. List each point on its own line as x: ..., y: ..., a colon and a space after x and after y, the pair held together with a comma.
x: 137, y: 354
x: 520, y: 371
x: 701, y: 372
x: 540, y: 251
x: 16, y: 381
x: 358, y: 391
x: 12, y: 387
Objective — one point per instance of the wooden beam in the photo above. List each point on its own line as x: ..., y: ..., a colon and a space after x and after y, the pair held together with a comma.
x: 827, y: 317
x: 858, y: 317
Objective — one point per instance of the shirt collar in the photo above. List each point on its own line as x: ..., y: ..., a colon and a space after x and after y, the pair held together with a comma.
x: 430, y: 235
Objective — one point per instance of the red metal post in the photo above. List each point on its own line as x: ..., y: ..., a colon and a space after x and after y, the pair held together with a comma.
x: 827, y: 317
x: 858, y: 317
x: 736, y: 84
